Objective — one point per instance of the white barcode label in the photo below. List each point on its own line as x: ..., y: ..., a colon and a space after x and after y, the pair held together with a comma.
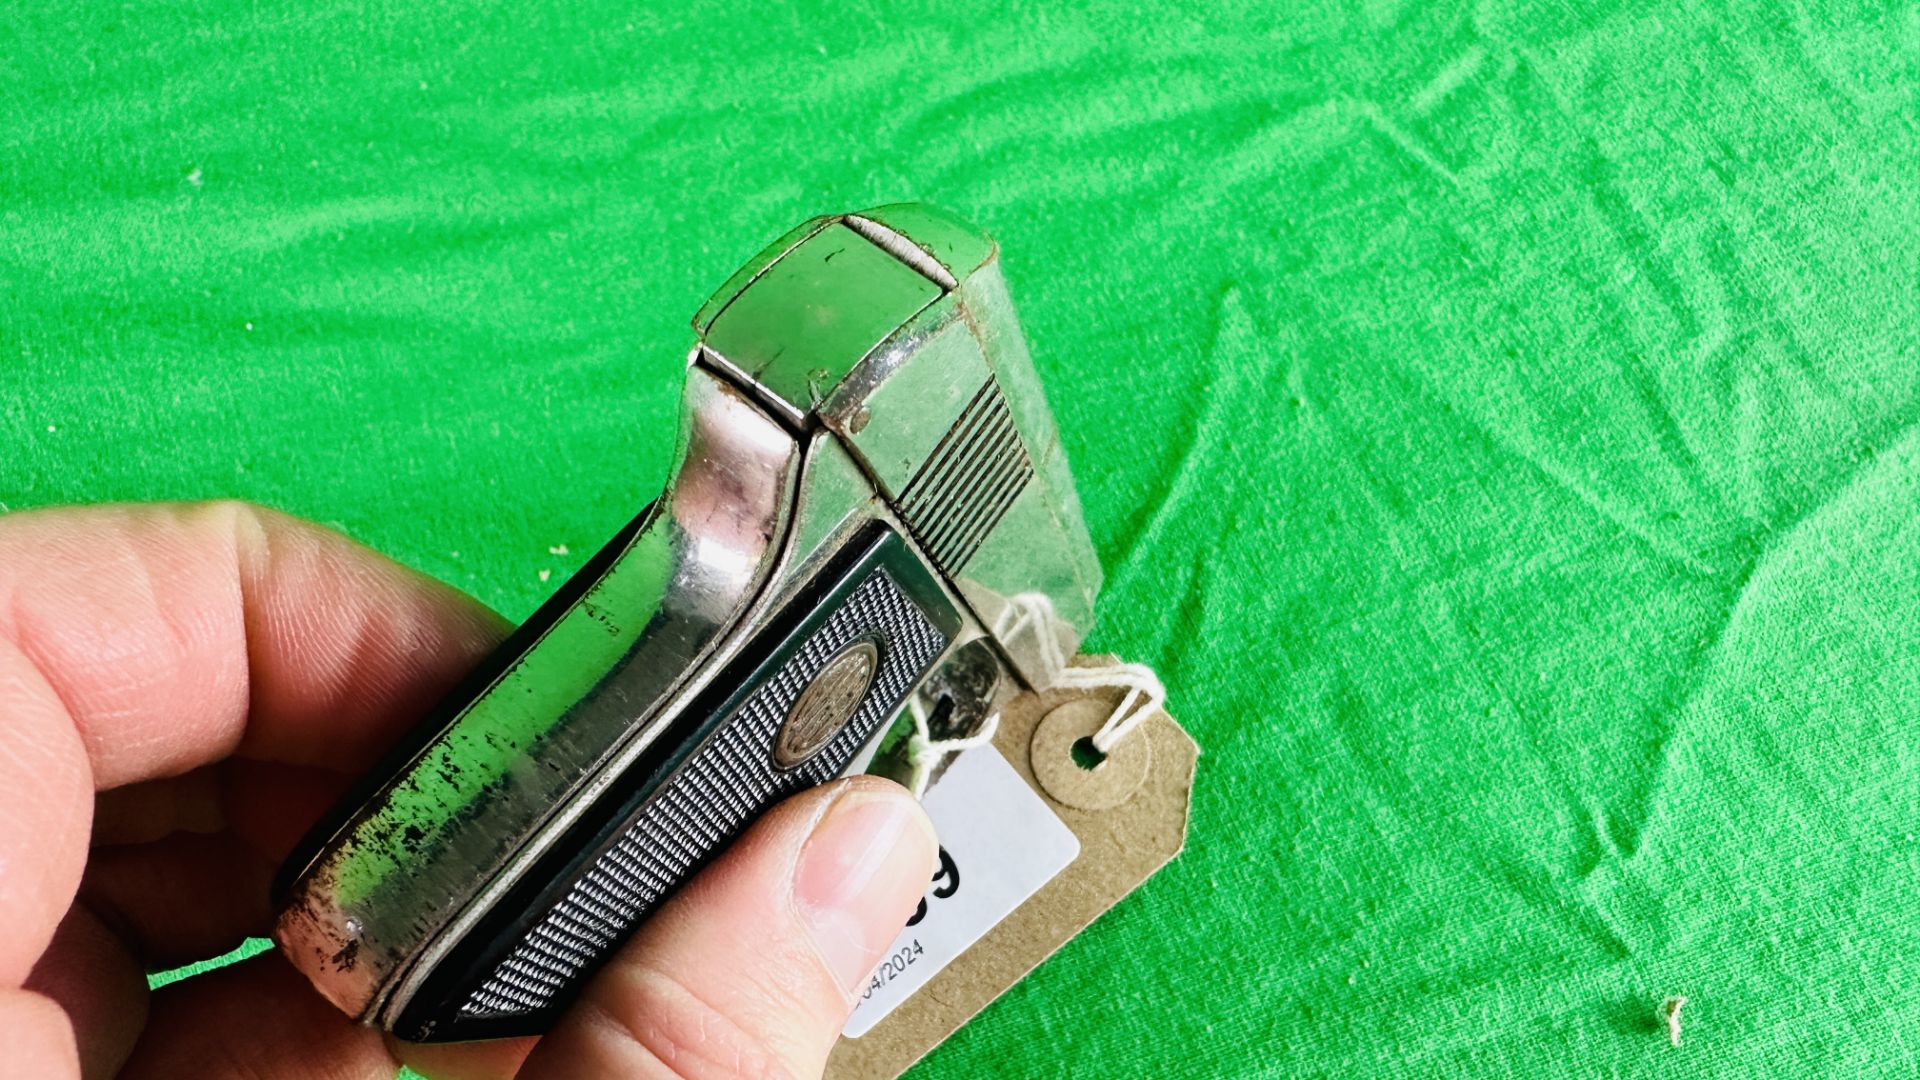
x: 999, y: 842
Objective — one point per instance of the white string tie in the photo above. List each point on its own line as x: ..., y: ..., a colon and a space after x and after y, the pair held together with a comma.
x: 1032, y: 613
x: 925, y: 753
x: 1145, y: 695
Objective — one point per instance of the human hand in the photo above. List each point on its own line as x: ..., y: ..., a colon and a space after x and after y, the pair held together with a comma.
x: 186, y: 688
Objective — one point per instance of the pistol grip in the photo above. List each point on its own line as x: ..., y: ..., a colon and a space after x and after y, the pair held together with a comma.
x: 791, y: 711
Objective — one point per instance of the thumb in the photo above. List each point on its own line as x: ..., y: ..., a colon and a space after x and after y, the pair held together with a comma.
x: 752, y: 968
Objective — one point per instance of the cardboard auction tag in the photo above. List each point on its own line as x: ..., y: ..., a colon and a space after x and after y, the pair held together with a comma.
x: 1010, y: 817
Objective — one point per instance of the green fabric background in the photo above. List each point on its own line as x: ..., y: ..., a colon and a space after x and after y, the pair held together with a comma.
x: 1500, y: 425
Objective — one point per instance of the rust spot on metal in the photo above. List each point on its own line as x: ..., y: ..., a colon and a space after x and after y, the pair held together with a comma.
x: 347, y: 957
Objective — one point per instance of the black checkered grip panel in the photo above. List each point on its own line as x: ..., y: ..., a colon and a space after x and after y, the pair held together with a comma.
x: 717, y: 791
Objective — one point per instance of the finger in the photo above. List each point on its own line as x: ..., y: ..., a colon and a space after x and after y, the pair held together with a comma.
x: 752, y: 969
x: 494, y: 1059
x: 150, y: 809
x: 266, y: 803
x: 181, y: 898
x: 40, y: 1042
x: 194, y: 894
x: 258, y: 1020
x: 89, y: 973
x: 180, y: 866
x: 44, y: 809
x: 176, y: 635
x: 142, y: 642
x: 766, y: 863
x: 270, y: 806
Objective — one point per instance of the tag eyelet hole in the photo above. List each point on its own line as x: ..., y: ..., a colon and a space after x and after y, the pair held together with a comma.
x: 1086, y: 755
x: 1072, y: 771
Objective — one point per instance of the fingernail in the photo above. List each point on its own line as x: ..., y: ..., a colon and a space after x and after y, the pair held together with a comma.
x: 860, y: 870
